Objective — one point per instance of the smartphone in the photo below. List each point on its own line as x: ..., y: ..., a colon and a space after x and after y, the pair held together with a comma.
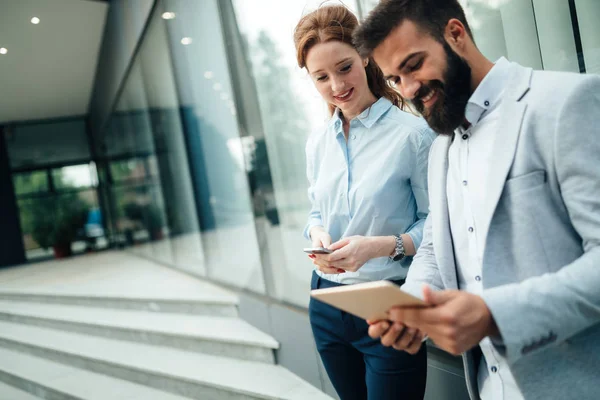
x: 317, y: 250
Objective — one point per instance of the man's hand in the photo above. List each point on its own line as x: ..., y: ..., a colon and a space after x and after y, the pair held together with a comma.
x: 397, y: 335
x: 456, y: 320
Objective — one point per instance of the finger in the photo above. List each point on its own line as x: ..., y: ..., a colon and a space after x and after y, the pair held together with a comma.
x: 326, y: 241
x: 339, y: 244
x: 327, y: 270
x: 391, y: 336
x: 326, y: 264
x: 415, y: 345
x: 422, y: 318
x: 377, y: 329
x: 437, y: 297
x: 404, y: 340
x: 333, y: 264
x: 338, y: 255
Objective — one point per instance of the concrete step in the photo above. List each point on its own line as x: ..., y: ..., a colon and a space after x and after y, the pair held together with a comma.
x: 228, y: 337
x: 8, y: 392
x: 217, y: 306
x: 198, y: 376
x: 31, y: 376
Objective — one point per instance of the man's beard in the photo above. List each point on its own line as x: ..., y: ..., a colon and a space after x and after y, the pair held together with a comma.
x: 448, y: 111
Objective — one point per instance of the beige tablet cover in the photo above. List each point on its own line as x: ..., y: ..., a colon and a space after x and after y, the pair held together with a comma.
x: 370, y: 300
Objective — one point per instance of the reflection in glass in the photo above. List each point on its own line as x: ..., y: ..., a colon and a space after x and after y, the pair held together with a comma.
x: 75, y: 176
x: 219, y: 151
x: 61, y: 224
x: 588, y: 15
x: 290, y: 109
x: 146, y: 170
x: 30, y: 182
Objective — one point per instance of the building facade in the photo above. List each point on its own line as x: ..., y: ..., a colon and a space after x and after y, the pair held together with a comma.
x: 194, y: 144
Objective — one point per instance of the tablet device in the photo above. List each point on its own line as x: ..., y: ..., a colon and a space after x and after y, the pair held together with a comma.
x: 370, y: 300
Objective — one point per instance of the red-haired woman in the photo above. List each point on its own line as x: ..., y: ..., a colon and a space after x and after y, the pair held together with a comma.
x: 367, y: 169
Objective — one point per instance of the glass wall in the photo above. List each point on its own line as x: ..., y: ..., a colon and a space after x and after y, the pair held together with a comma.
x: 559, y: 35
x: 217, y: 144
x: 59, y: 211
x: 202, y: 163
x: 290, y: 109
x: 145, y: 171
x: 55, y: 184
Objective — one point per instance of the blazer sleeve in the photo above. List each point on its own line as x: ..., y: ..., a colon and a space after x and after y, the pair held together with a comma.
x: 424, y: 269
x: 556, y: 306
x: 418, y: 184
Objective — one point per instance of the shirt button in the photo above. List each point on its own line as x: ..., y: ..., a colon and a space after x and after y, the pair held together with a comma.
x: 465, y: 183
x: 470, y: 229
x: 478, y: 278
x: 494, y: 369
x: 486, y: 103
x: 465, y: 136
x: 353, y: 137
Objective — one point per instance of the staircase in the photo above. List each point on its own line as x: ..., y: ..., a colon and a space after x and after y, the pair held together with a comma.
x: 113, y: 326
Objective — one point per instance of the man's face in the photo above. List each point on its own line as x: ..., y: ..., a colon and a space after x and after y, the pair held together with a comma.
x: 428, y: 73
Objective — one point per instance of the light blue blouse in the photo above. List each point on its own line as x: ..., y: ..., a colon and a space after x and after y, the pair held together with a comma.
x: 374, y: 184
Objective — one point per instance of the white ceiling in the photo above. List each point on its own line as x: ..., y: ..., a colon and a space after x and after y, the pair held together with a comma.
x: 49, y: 68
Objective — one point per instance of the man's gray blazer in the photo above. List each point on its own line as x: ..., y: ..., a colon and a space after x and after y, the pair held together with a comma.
x: 541, y: 266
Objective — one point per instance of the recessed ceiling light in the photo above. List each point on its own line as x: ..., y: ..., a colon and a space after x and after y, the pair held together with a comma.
x: 168, y: 15
x: 186, y: 40
x: 208, y: 74
x: 3, y: 50
x: 35, y: 20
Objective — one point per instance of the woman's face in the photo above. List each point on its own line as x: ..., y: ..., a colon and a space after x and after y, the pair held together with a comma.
x: 339, y: 75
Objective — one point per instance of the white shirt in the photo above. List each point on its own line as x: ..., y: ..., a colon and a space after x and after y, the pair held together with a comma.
x: 468, y: 170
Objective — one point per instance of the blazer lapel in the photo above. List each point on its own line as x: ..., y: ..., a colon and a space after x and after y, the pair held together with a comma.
x: 505, y: 142
x: 438, y: 202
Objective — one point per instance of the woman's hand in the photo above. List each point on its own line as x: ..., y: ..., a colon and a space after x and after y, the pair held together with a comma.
x: 351, y: 253
x: 320, y: 238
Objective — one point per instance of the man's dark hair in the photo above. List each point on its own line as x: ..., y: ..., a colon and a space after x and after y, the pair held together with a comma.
x: 431, y: 16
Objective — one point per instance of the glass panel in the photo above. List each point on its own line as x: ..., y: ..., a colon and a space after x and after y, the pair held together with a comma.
x: 133, y: 170
x: 75, y: 176
x: 290, y: 109
x: 534, y: 33
x: 60, y: 224
x: 555, y: 32
x: 139, y: 213
x: 588, y: 15
x: 151, y: 194
x: 30, y: 182
x: 217, y: 155
x: 29, y: 144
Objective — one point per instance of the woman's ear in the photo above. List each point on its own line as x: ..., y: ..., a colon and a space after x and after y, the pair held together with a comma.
x: 365, y: 62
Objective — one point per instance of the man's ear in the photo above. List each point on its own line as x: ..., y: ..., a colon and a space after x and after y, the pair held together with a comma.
x: 456, y: 35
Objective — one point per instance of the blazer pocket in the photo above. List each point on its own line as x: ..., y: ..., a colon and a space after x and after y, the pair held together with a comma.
x: 524, y: 182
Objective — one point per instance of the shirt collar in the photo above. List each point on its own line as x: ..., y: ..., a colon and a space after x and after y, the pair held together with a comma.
x: 489, y: 92
x: 368, y: 117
